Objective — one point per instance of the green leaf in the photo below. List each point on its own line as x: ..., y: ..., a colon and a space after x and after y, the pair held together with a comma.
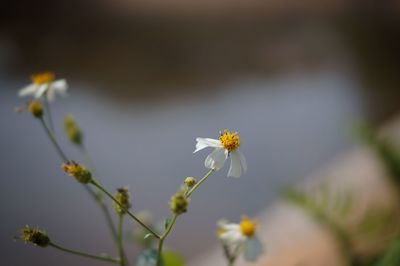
x: 147, y: 258
x: 166, y: 223
x: 392, y: 255
x: 147, y: 236
x: 383, y: 148
x: 172, y: 259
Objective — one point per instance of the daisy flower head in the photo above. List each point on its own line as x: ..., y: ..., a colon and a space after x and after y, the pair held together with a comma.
x: 241, y: 237
x: 44, y: 84
x: 226, y: 146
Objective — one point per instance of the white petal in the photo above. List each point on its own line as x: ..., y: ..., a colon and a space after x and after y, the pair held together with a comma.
x: 216, y: 159
x: 235, y: 170
x: 60, y: 86
x: 242, y: 161
x: 253, y: 248
x: 231, y: 227
x: 206, y: 142
x: 28, y: 90
x: 41, y: 90
x: 233, y: 237
x: 50, y: 94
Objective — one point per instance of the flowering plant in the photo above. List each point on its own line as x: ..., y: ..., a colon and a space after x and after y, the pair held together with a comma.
x: 235, y: 238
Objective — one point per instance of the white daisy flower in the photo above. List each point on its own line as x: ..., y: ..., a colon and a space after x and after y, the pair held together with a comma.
x: 241, y: 238
x: 226, y: 146
x: 44, y: 84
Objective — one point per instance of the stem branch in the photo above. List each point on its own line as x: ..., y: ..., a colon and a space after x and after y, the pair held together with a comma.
x: 83, y: 254
x: 163, y: 237
x: 151, y: 231
x: 121, y: 252
x: 199, y: 183
x: 53, y: 140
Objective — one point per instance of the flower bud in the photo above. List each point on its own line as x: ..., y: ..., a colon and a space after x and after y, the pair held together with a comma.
x: 72, y: 130
x: 122, y: 197
x: 81, y: 174
x: 35, y: 236
x: 35, y: 108
x: 179, y: 203
x: 190, y: 181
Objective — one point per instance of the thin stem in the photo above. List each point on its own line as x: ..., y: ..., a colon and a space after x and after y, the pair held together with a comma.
x: 95, y: 196
x: 53, y: 140
x: 151, y: 231
x: 106, y: 212
x: 48, y: 112
x: 163, y: 237
x: 88, y: 158
x: 98, y: 196
x: 121, y: 252
x: 175, y: 216
x: 64, y: 157
x: 230, y: 256
x: 83, y: 254
x: 199, y: 183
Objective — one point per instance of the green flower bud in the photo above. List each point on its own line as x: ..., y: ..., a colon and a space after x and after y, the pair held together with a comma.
x: 72, y: 130
x: 35, y: 108
x: 190, y: 181
x: 81, y: 174
x: 122, y: 197
x: 35, y: 236
x: 179, y: 203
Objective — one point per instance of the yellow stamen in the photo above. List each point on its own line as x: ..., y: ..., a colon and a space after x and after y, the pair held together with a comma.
x: 247, y: 227
x: 230, y: 141
x: 43, y: 78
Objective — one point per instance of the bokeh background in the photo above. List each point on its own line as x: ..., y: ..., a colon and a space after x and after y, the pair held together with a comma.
x: 148, y: 77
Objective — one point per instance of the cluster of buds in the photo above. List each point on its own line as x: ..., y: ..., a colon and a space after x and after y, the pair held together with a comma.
x: 179, y: 202
x: 35, y: 236
x: 122, y: 198
x: 35, y: 108
x: 80, y: 173
x: 72, y: 130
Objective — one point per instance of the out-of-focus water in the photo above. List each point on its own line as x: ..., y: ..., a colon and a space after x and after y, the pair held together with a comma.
x: 288, y: 126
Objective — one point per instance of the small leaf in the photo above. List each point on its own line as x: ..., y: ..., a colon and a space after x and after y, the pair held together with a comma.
x: 147, y: 236
x: 147, y: 258
x: 172, y: 259
x: 166, y: 223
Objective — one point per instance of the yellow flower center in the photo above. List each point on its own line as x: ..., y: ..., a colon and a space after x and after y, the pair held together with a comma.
x: 43, y: 78
x: 247, y: 227
x: 230, y: 141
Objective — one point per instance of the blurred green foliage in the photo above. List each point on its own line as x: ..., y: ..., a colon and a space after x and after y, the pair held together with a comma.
x: 328, y: 207
x: 383, y: 148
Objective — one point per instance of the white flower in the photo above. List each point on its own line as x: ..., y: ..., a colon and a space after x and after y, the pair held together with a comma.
x: 44, y: 84
x: 226, y: 146
x: 241, y: 238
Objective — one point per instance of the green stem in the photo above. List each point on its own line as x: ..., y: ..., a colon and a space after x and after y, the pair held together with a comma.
x: 163, y: 237
x: 83, y: 254
x: 48, y: 112
x: 64, y: 157
x: 199, y: 183
x: 106, y: 212
x: 151, y: 231
x: 88, y: 158
x: 53, y: 140
x: 98, y: 196
x: 175, y: 216
x: 123, y: 260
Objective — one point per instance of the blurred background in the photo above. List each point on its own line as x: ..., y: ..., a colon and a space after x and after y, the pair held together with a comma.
x: 148, y: 77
